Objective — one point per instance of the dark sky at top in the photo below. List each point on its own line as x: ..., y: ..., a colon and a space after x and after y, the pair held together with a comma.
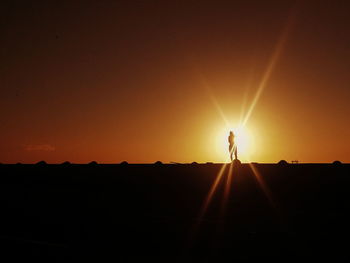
x: 115, y: 80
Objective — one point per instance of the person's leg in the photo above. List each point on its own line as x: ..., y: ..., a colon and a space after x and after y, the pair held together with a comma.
x: 236, y: 153
x: 231, y: 152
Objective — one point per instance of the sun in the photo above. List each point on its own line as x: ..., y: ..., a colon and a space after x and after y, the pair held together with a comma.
x: 244, y: 140
x: 241, y: 139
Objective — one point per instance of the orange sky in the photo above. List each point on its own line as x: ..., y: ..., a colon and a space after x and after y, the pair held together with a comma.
x: 143, y: 82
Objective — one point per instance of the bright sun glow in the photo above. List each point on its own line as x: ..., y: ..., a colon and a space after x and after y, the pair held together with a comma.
x: 243, y: 139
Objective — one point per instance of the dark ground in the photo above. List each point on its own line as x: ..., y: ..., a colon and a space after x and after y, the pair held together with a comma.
x: 123, y: 213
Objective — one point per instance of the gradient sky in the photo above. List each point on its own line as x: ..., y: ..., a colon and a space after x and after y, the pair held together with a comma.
x: 143, y: 81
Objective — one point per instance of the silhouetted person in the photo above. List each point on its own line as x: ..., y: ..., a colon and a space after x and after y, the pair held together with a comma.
x: 232, y: 147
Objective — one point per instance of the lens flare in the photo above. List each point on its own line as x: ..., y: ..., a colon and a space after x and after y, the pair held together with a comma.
x: 206, y: 203
x: 244, y: 141
x: 272, y: 64
x: 262, y: 184
x: 227, y: 190
x: 211, y: 192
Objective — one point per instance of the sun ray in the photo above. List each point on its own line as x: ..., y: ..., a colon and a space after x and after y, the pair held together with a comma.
x: 243, y: 106
x: 211, y: 192
x: 227, y: 190
x: 205, y: 204
x: 262, y: 184
x: 248, y: 86
x: 214, y: 100
x: 272, y: 64
x: 220, y: 111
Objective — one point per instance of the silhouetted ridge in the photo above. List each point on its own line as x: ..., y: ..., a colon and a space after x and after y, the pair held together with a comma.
x: 194, y: 163
x: 283, y: 162
x: 66, y: 163
x: 41, y: 163
x: 158, y: 163
x: 150, y: 210
x: 93, y: 163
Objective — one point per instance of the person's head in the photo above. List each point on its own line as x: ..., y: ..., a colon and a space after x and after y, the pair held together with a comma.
x: 231, y: 133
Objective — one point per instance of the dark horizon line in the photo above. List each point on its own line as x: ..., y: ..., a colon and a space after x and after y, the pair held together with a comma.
x: 173, y: 163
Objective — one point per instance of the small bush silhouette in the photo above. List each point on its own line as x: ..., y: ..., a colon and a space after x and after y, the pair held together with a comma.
x: 283, y: 162
x: 194, y: 163
x: 66, y: 163
x: 236, y: 162
x: 18, y: 163
x: 158, y: 163
x: 337, y: 162
x: 93, y: 163
x: 124, y: 163
x: 41, y: 163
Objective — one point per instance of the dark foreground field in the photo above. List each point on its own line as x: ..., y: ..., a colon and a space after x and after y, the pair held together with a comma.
x: 103, y: 213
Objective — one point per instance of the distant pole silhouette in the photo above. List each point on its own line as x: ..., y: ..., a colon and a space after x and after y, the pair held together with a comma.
x: 232, y: 146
